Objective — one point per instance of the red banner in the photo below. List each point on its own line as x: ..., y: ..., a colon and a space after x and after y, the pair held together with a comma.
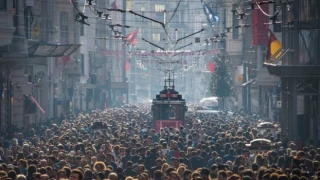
x: 167, y: 123
x: 259, y: 31
x: 38, y: 105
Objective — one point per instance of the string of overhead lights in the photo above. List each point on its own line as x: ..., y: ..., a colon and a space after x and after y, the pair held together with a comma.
x: 80, y: 17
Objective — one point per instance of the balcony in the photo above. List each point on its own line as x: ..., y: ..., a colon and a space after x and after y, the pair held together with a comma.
x: 6, y: 23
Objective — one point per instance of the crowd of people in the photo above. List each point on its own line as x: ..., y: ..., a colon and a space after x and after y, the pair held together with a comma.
x: 120, y: 143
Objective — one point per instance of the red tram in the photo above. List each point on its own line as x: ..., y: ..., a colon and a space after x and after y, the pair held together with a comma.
x: 168, y: 109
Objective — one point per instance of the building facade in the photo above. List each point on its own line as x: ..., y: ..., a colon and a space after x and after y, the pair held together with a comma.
x: 298, y: 69
x: 34, y: 40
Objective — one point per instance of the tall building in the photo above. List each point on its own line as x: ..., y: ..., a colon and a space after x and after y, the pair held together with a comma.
x: 298, y: 69
x: 32, y: 39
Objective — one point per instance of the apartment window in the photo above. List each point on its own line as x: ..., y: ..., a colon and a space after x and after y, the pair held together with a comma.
x: 81, y: 29
x: 154, y: 24
x: 156, y: 36
x: 277, y: 27
x: 140, y: 19
x: 82, y: 64
x: 197, y: 24
x: 3, y: 5
x: 235, y: 22
x: 28, y: 22
x: 159, y: 8
x: 64, y: 28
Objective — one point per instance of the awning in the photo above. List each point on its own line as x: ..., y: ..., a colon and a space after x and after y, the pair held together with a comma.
x: 38, y: 105
x: 248, y: 83
x: 52, y: 50
x: 293, y: 70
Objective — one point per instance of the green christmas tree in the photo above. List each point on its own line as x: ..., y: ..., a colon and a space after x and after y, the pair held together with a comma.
x: 221, y: 82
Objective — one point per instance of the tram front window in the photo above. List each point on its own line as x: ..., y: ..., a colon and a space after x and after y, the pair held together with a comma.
x: 168, y: 112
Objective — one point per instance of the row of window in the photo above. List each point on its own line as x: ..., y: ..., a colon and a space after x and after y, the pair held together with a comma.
x: 3, y: 5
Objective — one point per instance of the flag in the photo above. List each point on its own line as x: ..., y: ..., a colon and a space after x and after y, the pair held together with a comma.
x: 37, y: 104
x: 114, y: 5
x: 273, y: 46
x: 127, y: 65
x: 131, y: 38
x: 211, y: 16
x: 211, y: 66
x: 65, y: 60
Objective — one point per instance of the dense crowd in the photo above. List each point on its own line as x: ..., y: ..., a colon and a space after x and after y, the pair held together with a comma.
x: 120, y: 143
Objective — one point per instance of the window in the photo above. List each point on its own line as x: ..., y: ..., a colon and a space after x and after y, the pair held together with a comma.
x: 28, y: 22
x: 154, y: 24
x: 64, y: 28
x: 81, y: 29
x: 197, y: 24
x: 156, y: 36
x: 277, y: 27
x: 235, y: 22
x: 82, y: 64
x: 3, y: 5
x: 159, y: 8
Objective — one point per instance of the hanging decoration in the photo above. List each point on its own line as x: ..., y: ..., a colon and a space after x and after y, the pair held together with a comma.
x: 161, y: 53
x: 211, y: 66
x: 127, y: 65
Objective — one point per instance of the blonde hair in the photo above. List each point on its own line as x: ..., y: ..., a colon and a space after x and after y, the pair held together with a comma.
x: 129, y: 178
x: 99, y: 163
x: 163, y: 166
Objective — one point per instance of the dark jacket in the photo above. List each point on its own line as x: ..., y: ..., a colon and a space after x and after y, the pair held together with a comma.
x: 150, y: 161
x: 196, y: 163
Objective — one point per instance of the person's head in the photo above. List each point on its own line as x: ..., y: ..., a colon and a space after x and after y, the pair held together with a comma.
x: 22, y: 163
x: 129, y: 164
x: 109, y: 157
x: 99, y: 166
x: 21, y: 177
x: 196, y: 175
x: 31, y: 169
x: 113, y: 176
x: 248, y: 172
x: 187, y: 174
x: 12, y: 174
x: 174, y: 176
x: 181, y: 170
x: 61, y: 174
x: 158, y: 174
x: 76, y: 175
x: 44, y: 177
x: 205, y: 173
x: 164, y: 167
x: 222, y: 175
x: 88, y: 174
x: 158, y: 162
x: 100, y: 176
